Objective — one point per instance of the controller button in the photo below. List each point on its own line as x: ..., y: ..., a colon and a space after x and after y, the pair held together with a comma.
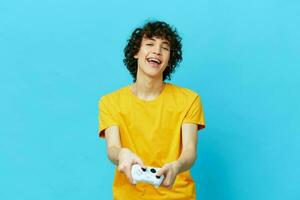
x: 158, y: 177
x: 144, y: 169
x: 153, y: 170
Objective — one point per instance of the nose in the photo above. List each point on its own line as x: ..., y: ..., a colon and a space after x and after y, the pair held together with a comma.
x: 157, y: 49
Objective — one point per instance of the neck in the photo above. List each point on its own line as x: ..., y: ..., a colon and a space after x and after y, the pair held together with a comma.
x: 147, y: 89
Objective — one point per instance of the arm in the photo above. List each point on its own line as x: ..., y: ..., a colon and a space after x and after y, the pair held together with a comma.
x: 122, y: 157
x: 189, y: 147
x: 186, y: 158
x: 113, y: 144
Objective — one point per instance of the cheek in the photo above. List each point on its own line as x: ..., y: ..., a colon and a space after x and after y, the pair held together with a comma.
x: 143, y: 51
x: 168, y: 57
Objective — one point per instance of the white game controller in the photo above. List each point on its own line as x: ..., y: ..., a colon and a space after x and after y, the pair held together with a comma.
x: 147, y: 175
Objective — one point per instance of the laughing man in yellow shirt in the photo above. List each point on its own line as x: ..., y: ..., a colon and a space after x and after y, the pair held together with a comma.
x: 151, y: 122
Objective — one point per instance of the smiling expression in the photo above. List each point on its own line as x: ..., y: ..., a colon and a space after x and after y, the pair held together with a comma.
x: 153, y: 56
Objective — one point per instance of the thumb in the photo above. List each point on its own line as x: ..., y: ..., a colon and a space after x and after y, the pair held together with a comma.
x: 140, y: 162
x: 161, y: 171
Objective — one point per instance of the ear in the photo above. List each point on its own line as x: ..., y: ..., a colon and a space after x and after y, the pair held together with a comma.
x: 136, y: 56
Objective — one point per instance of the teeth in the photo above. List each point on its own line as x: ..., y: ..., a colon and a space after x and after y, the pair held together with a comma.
x: 154, y: 59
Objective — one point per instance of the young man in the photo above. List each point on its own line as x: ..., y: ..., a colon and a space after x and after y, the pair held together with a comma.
x: 151, y: 122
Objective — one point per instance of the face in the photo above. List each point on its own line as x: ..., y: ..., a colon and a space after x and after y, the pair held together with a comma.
x: 153, y: 57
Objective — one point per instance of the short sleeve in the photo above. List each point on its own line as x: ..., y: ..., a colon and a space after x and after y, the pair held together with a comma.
x: 195, y: 113
x: 106, y: 117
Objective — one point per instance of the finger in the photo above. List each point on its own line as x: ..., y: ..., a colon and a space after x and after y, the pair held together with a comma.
x: 170, y: 186
x: 162, y: 171
x: 138, y: 161
x: 167, y: 183
x: 172, y: 181
x: 126, y: 169
x: 167, y: 180
x: 121, y: 167
x: 127, y: 172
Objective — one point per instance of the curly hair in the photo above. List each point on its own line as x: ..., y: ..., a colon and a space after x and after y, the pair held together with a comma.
x: 152, y: 29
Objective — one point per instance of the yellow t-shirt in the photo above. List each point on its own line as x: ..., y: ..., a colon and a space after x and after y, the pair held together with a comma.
x: 152, y: 130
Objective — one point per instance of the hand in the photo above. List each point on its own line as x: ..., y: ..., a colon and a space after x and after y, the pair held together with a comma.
x: 170, y: 171
x: 126, y: 159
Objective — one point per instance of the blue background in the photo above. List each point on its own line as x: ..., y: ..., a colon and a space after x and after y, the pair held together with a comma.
x: 57, y: 58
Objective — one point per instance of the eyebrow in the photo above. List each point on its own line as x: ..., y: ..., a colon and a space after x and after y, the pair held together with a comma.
x: 164, y: 41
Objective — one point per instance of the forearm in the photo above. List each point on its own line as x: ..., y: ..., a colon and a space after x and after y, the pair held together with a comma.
x: 113, y: 144
x: 113, y: 154
x: 186, y: 159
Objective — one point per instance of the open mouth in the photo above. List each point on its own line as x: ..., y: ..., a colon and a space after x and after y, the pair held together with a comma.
x: 154, y: 61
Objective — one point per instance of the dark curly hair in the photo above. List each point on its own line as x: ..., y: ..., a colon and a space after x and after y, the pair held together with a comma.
x: 151, y: 29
